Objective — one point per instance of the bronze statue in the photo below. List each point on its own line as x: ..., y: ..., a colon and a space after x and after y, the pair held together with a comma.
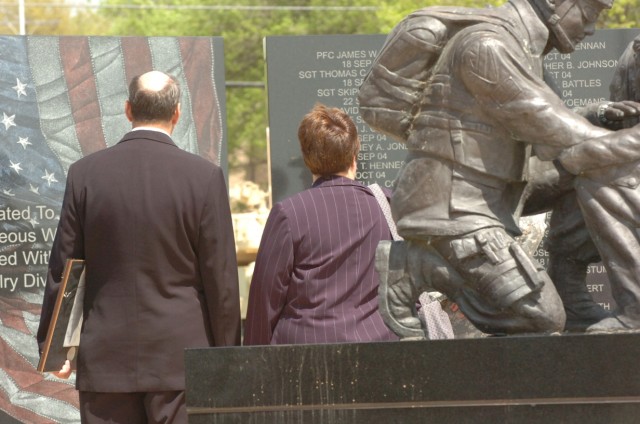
x: 487, y: 139
x: 625, y: 85
x: 607, y: 190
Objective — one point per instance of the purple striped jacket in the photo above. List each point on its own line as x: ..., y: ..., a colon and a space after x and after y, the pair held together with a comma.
x: 314, y: 279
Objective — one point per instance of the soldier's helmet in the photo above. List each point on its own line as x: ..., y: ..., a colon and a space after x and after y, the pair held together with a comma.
x: 553, y: 12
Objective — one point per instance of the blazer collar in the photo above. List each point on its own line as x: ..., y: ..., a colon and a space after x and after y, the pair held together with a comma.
x: 336, y: 180
x: 148, y: 135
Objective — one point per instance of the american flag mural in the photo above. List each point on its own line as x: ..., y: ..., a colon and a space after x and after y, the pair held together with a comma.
x: 62, y: 98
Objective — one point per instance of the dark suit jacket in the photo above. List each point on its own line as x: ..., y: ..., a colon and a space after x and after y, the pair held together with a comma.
x: 154, y: 225
x: 314, y: 279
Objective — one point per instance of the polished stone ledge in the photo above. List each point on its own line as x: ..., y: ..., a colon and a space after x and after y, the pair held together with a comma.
x: 569, y: 378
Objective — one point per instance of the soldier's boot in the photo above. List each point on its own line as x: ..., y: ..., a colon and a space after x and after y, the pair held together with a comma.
x: 397, y: 293
x: 569, y: 277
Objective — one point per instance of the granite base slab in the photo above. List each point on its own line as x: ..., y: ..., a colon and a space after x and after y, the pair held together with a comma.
x: 524, y: 379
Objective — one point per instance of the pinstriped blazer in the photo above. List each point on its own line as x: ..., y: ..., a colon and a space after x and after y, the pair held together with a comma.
x: 314, y: 279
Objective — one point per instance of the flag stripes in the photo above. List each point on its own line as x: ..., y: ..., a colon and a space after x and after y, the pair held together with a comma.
x: 62, y: 98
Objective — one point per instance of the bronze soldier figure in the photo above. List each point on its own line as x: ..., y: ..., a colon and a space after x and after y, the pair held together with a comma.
x: 464, y: 89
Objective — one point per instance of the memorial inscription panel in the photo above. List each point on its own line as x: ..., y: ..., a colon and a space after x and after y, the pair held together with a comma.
x: 302, y: 71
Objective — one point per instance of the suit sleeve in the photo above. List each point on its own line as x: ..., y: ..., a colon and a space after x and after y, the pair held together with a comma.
x: 67, y: 244
x: 218, y: 264
x: 271, y: 278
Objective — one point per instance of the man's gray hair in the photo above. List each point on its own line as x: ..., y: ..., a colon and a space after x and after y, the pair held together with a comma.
x: 153, y: 105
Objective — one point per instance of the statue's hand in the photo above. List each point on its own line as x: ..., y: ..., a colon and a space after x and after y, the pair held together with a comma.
x: 617, y: 111
x: 612, y: 114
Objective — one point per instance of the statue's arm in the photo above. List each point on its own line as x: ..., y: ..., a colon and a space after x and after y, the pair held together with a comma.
x: 616, y: 148
x: 514, y: 95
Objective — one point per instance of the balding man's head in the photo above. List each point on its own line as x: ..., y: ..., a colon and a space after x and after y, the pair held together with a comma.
x: 153, y: 97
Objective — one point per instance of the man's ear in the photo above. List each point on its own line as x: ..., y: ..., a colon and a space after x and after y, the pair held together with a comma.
x: 176, y: 115
x: 127, y: 110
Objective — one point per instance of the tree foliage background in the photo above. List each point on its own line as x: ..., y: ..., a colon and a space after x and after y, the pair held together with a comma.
x: 243, y: 24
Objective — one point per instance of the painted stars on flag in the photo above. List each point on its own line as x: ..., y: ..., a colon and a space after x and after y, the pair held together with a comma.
x: 20, y: 88
x: 25, y: 158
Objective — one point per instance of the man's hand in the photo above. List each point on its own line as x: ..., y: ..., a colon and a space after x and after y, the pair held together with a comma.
x: 65, y: 371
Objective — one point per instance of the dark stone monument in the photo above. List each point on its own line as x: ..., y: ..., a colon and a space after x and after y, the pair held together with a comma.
x: 327, y: 69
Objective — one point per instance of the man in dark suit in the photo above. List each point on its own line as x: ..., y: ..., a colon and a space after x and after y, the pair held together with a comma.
x: 314, y: 279
x: 154, y: 227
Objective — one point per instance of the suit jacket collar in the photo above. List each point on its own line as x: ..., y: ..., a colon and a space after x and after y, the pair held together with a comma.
x: 147, y: 135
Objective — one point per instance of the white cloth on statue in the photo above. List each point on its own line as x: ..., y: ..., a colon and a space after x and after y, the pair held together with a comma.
x: 435, y: 318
